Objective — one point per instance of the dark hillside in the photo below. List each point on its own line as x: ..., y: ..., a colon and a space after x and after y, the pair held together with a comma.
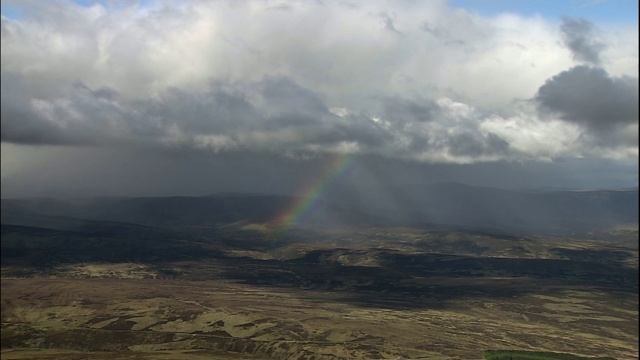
x: 446, y: 205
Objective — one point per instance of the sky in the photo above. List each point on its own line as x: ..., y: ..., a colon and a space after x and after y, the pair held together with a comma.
x: 155, y: 98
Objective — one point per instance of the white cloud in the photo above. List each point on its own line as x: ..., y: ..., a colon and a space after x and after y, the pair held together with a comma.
x: 415, y: 80
x: 536, y: 139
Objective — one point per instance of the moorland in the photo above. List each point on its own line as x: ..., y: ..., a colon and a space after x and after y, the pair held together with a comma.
x: 212, y: 277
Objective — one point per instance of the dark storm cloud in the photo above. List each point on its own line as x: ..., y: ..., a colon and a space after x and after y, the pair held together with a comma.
x: 77, y: 115
x: 275, y: 114
x: 469, y: 144
x: 216, y: 110
x: 21, y: 123
x: 400, y: 110
x: 580, y: 37
x: 589, y: 96
x: 282, y: 93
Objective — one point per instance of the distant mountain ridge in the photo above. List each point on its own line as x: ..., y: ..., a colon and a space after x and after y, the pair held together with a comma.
x: 443, y: 204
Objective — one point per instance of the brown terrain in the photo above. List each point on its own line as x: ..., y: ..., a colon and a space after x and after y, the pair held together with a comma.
x: 367, y: 294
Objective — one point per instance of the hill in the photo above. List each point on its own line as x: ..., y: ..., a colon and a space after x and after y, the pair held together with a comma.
x: 447, y: 205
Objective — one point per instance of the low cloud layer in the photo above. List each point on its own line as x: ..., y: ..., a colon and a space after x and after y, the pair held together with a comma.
x: 273, y: 115
x: 420, y: 81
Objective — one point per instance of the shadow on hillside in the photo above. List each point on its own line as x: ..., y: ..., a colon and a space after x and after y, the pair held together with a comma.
x: 429, y: 280
x: 421, y: 280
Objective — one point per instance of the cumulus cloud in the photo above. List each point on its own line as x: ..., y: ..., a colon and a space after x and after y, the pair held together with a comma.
x: 605, y: 107
x: 591, y: 97
x: 581, y: 38
x: 420, y: 81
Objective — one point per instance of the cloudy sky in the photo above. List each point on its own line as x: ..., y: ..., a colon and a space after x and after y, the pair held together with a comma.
x: 196, y: 97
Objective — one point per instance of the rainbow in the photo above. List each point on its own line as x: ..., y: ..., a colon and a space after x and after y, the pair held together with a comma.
x: 308, y: 196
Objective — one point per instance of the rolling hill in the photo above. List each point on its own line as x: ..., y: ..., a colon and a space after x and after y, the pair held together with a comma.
x: 445, y: 205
